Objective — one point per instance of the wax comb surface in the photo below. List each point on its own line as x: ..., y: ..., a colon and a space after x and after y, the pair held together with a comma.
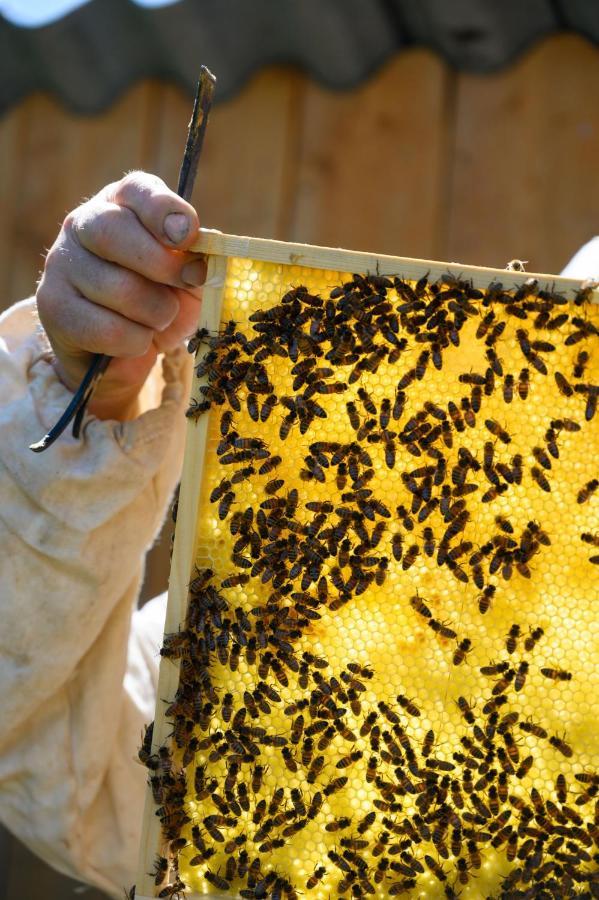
x: 389, y: 678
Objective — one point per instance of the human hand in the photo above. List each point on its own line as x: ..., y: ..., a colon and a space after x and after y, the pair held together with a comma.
x: 120, y: 280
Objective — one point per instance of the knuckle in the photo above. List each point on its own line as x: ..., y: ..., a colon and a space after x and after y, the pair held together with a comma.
x: 54, y: 257
x: 139, y: 182
x: 114, y: 335
x: 49, y: 296
x: 96, y: 228
x: 139, y: 342
x: 149, y: 304
x: 70, y: 220
x: 126, y: 339
x: 76, y: 222
x: 125, y: 286
x: 166, y: 310
x: 132, y: 181
x: 45, y: 297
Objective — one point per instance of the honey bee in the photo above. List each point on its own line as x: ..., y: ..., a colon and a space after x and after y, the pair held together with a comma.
x: 508, y: 388
x: 353, y: 415
x: 551, y: 441
x: 441, y: 628
x: 161, y: 868
x: 175, y: 889
x: 561, y: 745
x: 267, y: 407
x: 541, y: 457
x: 534, y: 729
x: 289, y: 760
x: 556, y: 674
x: 435, y: 868
x: 196, y: 408
x: 485, y: 599
x: 580, y: 364
x: 225, y: 505
x: 335, y: 785
x: 524, y: 767
x: 563, y: 385
x: 410, y: 557
x: 587, y: 491
x: 497, y: 431
x: 217, y: 880
x: 504, y: 524
x: 521, y: 676
x: 371, y: 769
x: 540, y: 479
x: 317, y: 876
x: 252, y: 407
x: 409, y: 705
x: 512, y: 638
x: 385, y: 413
x: 466, y: 710
x: 462, y: 650
x: 511, y: 747
x: 420, y: 606
x: 349, y: 760
x: 523, y: 383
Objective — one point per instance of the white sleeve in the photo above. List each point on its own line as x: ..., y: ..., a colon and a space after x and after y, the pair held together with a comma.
x: 585, y: 262
x: 78, y: 682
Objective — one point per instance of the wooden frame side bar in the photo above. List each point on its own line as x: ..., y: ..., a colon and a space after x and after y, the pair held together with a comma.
x: 180, y: 573
x: 336, y: 260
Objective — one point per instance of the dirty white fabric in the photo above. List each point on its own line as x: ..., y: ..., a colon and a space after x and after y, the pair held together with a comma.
x: 78, y: 678
x: 78, y: 669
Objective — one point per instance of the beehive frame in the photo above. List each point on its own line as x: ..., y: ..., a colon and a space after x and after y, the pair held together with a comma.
x: 220, y: 248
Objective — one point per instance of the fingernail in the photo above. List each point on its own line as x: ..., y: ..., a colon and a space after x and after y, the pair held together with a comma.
x: 194, y: 273
x: 176, y: 227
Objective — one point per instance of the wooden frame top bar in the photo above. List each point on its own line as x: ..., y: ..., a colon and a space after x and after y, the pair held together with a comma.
x: 215, y: 243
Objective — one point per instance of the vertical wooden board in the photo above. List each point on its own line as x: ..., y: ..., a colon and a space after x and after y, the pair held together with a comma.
x: 370, y: 171
x: 181, y: 569
x: 171, y: 114
x: 101, y: 148
x: 42, y: 152
x: 243, y: 176
x: 65, y: 158
x: 527, y: 142
x: 10, y: 176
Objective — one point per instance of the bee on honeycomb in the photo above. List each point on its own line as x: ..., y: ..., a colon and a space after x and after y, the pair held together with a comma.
x: 389, y: 678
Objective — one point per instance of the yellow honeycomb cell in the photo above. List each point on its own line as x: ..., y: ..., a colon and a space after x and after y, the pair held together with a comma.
x: 389, y: 667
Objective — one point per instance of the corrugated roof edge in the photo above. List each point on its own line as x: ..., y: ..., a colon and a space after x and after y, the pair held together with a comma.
x: 92, y: 54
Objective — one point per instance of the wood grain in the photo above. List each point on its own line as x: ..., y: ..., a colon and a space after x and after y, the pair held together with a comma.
x: 371, y: 161
x: 526, y: 147
x: 61, y: 160
x: 11, y: 173
x: 243, y: 174
x: 337, y: 260
x: 181, y: 569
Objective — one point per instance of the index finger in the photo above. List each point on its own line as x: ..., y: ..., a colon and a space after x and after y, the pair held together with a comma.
x: 169, y: 218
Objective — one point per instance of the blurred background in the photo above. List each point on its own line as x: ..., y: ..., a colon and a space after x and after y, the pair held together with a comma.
x: 457, y: 130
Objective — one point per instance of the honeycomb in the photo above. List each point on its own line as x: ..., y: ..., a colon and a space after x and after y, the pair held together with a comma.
x: 389, y: 669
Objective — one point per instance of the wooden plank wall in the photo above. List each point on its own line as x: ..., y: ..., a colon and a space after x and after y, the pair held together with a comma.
x: 419, y: 161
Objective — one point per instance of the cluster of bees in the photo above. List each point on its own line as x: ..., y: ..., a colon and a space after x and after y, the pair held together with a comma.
x: 300, y: 763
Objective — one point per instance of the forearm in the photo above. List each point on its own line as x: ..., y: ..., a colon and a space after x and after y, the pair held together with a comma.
x: 75, y: 523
